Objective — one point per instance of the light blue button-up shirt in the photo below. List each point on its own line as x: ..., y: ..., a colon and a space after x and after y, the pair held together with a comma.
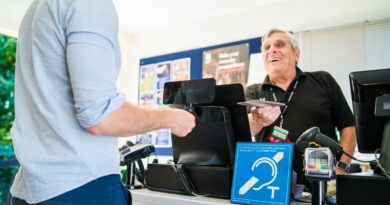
x: 67, y: 65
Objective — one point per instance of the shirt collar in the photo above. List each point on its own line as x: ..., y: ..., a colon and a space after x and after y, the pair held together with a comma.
x: 300, y: 75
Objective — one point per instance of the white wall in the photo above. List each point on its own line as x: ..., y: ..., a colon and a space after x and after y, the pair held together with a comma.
x: 128, y: 77
x: 345, y: 49
x: 11, y: 13
x: 296, y: 15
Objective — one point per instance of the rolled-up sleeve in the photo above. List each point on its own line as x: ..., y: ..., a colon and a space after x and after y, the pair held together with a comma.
x: 92, y: 61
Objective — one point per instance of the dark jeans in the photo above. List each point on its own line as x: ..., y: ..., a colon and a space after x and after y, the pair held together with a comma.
x: 107, y: 190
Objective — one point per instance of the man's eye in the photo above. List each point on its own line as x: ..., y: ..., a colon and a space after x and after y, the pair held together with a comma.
x: 266, y: 47
x: 279, y: 45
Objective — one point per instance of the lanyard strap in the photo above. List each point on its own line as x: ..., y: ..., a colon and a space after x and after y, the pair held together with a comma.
x: 288, y: 101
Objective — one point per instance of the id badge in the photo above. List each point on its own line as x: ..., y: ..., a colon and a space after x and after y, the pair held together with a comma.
x: 280, y: 133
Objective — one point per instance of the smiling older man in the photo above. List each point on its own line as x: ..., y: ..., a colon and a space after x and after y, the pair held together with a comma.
x: 311, y: 98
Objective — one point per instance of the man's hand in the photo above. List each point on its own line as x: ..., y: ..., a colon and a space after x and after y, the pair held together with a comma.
x: 265, y: 115
x: 262, y: 116
x: 181, y: 122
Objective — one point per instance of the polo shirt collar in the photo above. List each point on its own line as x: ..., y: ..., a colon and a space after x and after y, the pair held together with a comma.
x: 300, y: 75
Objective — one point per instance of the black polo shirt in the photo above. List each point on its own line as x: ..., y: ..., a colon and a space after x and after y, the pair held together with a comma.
x: 317, y: 101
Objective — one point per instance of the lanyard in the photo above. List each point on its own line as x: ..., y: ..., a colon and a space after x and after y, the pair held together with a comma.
x: 288, y: 101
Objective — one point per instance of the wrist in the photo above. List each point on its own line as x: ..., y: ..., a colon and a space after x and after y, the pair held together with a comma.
x: 342, y: 166
x: 165, y: 118
x: 255, y: 126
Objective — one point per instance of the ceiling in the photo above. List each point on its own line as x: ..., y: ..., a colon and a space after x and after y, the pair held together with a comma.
x: 148, y: 15
x: 140, y: 16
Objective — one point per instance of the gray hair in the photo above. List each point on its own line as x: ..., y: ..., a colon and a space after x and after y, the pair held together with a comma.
x: 293, y: 40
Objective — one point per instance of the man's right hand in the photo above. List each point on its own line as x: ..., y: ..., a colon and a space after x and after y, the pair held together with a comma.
x: 261, y: 117
x: 181, y: 122
x: 265, y: 115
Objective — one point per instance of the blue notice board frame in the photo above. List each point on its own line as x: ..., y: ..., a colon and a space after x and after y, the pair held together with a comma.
x: 262, y: 173
x: 196, y: 56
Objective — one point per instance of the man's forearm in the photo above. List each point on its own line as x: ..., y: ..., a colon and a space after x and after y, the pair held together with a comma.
x: 348, y: 142
x: 130, y: 120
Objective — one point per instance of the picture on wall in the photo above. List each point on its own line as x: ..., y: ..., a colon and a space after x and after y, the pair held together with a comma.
x: 147, y: 78
x: 147, y: 85
x: 227, y: 64
x: 181, y: 69
x: 163, y: 138
x: 147, y: 99
x: 152, y: 80
x: 163, y: 71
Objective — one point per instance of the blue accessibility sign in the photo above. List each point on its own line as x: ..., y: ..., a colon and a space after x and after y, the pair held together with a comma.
x: 262, y: 173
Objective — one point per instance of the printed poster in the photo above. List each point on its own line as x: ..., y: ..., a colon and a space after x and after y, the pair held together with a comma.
x: 163, y: 74
x: 147, y: 78
x: 152, y: 80
x: 181, y: 69
x: 227, y: 64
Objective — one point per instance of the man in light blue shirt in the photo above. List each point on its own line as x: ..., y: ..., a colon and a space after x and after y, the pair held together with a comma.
x: 68, y: 109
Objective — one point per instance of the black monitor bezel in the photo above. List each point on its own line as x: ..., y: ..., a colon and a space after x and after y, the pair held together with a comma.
x: 228, y: 96
x: 366, y: 86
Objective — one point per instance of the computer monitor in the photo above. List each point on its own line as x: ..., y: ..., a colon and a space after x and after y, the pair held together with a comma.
x: 228, y: 96
x: 223, y: 123
x: 371, y: 105
x: 189, y: 92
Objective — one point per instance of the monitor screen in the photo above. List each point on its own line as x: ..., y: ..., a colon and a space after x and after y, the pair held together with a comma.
x: 228, y: 96
x: 221, y: 123
x: 366, y: 86
x: 189, y: 92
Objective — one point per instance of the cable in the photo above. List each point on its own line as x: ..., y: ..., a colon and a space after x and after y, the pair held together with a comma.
x: 352, y: 157
x: 154, y: 161
x: 145, y: 183
x: 187, y: 184
x: 170, y: 162
x: 386, y: 172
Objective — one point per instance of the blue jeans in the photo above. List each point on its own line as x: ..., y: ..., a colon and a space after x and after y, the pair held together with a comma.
x: 107, y: 190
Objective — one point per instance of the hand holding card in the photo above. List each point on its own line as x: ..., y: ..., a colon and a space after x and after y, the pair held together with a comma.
x: 260, y: 103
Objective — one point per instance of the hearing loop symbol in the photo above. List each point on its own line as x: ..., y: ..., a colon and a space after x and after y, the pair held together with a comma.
x: 274, y: 173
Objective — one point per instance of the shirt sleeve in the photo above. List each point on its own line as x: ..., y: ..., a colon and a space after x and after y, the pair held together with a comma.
x: 91, y: 31
x: 341, y: 112
x: 252, y: 92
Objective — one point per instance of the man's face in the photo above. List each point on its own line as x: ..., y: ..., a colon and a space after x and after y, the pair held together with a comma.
x: 278, y: 54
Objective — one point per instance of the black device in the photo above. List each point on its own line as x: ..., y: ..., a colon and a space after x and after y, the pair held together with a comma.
x: 222, y: 122
x: 362, y: 189
x: 318, y: 161
x: 366, y: 87
x: 189, y: 92
x: 130, y: 154
x: 228, y: 96
x: 204, y: 159
x: 211, y: 142
x: 135, y: 152
x: 370, y: 98
x: 209, y: 180
x: 314, y: 135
